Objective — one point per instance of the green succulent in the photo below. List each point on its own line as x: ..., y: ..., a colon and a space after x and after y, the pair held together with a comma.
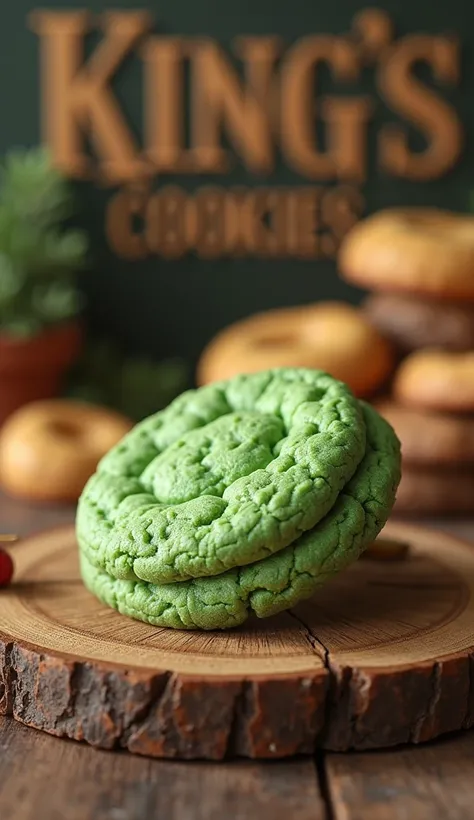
x: 39, y: 256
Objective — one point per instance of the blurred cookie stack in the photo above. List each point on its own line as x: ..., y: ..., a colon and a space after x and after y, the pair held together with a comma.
x: 419, y: 263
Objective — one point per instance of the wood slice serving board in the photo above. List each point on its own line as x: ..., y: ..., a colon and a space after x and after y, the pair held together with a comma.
x: 384, y: 654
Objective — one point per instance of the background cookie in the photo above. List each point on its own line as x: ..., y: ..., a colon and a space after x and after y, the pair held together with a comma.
x: 49, y: 449
x: 436, y: 380
x: 435, y: 492
x: 429, y: 437
x: 415, y: 250
x: 411, y: 322
x: 329, y: 336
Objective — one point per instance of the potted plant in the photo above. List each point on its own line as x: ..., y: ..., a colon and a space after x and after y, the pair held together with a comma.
x: 133, y: 385
x: 40, y: 332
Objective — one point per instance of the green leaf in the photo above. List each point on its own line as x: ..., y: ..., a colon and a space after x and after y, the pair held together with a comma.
x: 25, y: 327
x: 33, y: 188
x: 11, y: 280
x: 65, y: 250
x: 37, y: 254
x: 55, y: 302
x: 134, y: 386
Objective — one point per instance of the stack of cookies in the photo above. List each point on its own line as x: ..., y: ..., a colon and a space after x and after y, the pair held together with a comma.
x: 419, y: 263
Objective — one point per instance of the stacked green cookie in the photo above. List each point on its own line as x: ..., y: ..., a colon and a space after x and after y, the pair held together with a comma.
x: 241, y: 497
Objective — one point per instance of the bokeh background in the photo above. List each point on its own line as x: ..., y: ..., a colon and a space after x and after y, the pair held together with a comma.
x: 171, y: 308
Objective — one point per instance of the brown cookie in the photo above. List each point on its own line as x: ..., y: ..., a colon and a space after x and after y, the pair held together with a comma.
x: 435, y: 492
x: 411, y: 322
x: 330, y: 336
x: 436, y: 380
x: 428, y: 437
x: 412, y: 250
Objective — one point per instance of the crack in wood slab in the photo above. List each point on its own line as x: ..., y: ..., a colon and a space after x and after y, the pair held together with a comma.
x: 316, y: 643
x: 418, y: 703
x: 270, y: 690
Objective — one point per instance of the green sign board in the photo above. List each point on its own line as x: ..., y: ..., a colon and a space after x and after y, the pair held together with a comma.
x: 222, y: 152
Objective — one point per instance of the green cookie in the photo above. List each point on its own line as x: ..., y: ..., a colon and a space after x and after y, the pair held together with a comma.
x: 267, y: 484
x: 225, y: 476
x: 281, y: 580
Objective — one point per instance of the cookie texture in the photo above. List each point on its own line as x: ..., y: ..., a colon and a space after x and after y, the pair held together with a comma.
x: 240, y: 497
x: 412, y: 322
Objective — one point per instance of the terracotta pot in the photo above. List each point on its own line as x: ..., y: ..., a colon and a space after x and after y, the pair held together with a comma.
x: 32, y: 369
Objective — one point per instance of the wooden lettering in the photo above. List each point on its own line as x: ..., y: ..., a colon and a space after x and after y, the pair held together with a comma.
x: 259, y: 56
x: 233, y: 205
x: 278, y: 222
x: 341, y: 208
x: 206, y: 222
x: 407, y: 96
x: 346, y: 123
x: 164, y: 105
x: 374, y: 31
x: 221, y: 101
x: 298, y: 111
x: 261, y: 222
x: 123, y: 208
x: 303, y: 223
x: 166, y: 222
x: 77, y: 97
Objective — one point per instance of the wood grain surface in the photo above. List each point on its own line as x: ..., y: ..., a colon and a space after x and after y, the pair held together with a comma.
x: 43, y: 778
x: 381, y: 655
x: 423, y: 783
x: 69, y: 781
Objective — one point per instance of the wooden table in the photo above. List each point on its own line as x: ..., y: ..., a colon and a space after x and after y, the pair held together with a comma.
x: 44, y: 778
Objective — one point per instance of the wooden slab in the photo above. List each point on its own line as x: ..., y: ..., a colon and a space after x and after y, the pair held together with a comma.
x: 384, y: 654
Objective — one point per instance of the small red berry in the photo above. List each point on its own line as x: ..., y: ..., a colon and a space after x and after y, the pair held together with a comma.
x: 6, y: 568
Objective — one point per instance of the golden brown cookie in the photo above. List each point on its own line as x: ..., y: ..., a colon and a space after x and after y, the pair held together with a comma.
x: 430, y: 437
x: 412, y: 322
x: 49, y: 449
x: 435, y: 492
x: 436, y: 380
x: 329, y: 336
x: 415, y: 250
